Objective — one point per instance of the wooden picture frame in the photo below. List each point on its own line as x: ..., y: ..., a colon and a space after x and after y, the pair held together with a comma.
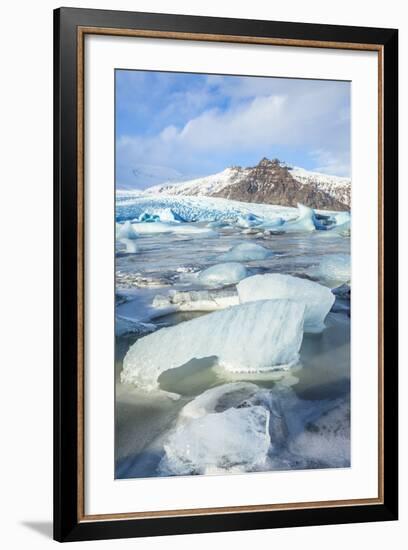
x: 70, y: 27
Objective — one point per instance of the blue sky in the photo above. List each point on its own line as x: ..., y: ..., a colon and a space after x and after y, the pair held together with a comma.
x: 175, y: 126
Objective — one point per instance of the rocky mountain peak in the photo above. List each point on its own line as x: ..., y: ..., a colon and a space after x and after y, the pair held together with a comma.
x: 267, y: 163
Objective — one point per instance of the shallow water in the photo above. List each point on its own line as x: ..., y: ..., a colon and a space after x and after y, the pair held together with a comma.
x: 165, y: 262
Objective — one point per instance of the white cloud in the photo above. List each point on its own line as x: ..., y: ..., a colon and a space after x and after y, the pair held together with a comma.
x: 258, y: 121
x: 299, y: 115
x: 328, y: 163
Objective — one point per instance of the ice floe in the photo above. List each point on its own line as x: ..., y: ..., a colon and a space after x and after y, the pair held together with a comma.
x: 236, y: 440
x: 246, y: 252
x: 252, y: 337
x: 197, y: 300
x: 317, y: 298
x: 304, y: 221
x: 218, y: 399
x: 240, y: 427
x: 147, y: 227
x: 222, y: 274
x: 334, y: 269
x: 125, y: 231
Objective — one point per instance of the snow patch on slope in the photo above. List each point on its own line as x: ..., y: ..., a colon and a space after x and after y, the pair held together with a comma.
x: 335, y: 186
x: 207, y: 185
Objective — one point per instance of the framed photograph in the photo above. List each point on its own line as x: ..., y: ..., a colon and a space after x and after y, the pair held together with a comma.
x: 225, y: 274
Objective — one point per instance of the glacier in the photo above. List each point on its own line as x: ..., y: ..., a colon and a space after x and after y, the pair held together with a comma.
x: 252, y: 337
x: 194, y: 209
x: 172, y: 209
x: 246, y: 252
x: 317, y: 298
x: 222, y: 274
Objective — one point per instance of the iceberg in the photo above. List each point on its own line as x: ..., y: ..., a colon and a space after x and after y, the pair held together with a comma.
x: 304, y: 221
x: 125, y: 231
x: 150, y: 218
x: 334, y: 269
x: 161, y: 214
x: 218, y: 399
x: 222, y: 274
x: 236, y: 440
x: 342, y: 218
x: 240, y: 427
x: 242, y: 395
x: 271, y: 225
x: 343, y: 224
x: 248, y: 220
x: 130, y: 245
x: 246, y: 252
x: 316, y: 298
x: 254, y: 337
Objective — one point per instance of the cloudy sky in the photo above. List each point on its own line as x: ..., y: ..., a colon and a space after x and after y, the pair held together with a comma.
x: 174, y: 126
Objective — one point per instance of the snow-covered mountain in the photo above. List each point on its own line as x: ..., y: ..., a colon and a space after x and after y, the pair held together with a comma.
x: 205, y: 186
x: 336, y: 186
x: 270, y: 182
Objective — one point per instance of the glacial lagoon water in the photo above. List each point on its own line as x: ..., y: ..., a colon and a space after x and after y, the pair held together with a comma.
x: 306, y: 408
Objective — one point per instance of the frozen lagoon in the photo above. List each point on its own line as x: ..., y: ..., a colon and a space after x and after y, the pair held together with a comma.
x: 313, y: 396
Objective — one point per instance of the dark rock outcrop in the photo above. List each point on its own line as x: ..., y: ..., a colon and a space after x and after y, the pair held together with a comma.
x: 271, y: 182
